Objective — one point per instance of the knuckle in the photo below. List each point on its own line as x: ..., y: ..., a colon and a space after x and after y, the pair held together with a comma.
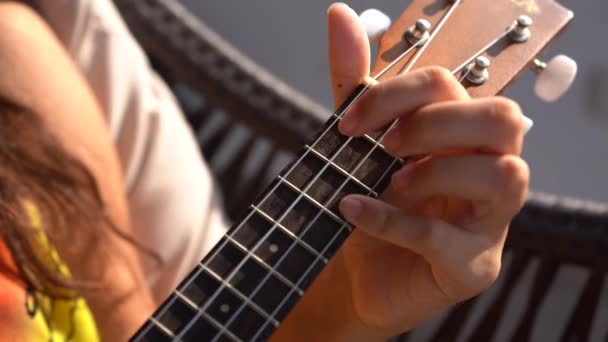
x: 488, y: 271
x: 506, y: 114
x: 432, y: 236
x: 372, y: 98
x: 505, y: 117
x: 384, y: 223
x: 441, y: 81
x: 513, y: 176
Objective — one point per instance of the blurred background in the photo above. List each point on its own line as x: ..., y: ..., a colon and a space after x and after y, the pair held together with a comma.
x: 566, y: 148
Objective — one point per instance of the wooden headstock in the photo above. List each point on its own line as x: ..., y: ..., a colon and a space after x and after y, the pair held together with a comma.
x: 472, y: 25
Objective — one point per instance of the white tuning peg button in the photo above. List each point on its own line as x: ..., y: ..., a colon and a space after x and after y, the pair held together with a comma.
x: 375, y: 23
x: 554, y: 77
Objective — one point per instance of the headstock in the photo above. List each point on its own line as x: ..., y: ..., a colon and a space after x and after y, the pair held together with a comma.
x: 471, y: 26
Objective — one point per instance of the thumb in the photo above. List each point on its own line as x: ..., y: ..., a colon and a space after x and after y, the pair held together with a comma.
x: 349, y: 52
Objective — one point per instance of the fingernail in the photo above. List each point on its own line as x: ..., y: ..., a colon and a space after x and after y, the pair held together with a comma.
x: 348, y: 124
x: 403, y: 177
x: 392, y: 140
x: 351, y: 208
x: 528, y: 123
x: 337, y: 4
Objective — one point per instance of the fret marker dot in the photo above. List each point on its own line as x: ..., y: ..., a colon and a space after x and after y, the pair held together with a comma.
x: 225, y: 308
x: 273, y: 248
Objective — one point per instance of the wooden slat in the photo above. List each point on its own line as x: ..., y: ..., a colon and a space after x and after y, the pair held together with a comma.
x: 211, y: 146
x: 453, y: 325
x: 236, y: 204
x: 233, y: 174
x: 581, y: 319
x: 542, y: 282
x: 486, y: 329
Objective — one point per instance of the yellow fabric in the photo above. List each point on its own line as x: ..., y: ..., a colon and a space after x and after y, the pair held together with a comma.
x: 59, y: 320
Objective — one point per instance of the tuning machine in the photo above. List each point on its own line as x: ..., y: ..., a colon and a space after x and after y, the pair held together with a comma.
x: 375, y: 23
x: 477, y: 72
x: 520, y: 33
x: 419, y: 32
x: 554, y: 77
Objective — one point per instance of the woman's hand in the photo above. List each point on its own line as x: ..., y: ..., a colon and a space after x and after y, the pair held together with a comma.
x: 435, y: 237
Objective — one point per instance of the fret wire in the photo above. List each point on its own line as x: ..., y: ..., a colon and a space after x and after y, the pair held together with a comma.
x: 268, y: 268
x: 373, y: 141
x: 219, y: 326
x: 341, y: 110
x: 200, y: 310
x: 376, y: 144
x: 343, y: 226
x: 186, y: 299
x: 241, y: 296
x: 162, y: 327
x: 196, y: 308
x: 366, y: 136
x: 281, y: 259
x: 314, y: 201
x: 291, y: 206
x: 341, y: 170
x: 288, y: 232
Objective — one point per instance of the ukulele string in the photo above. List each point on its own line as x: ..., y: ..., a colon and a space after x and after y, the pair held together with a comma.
x: 464, y: 75
x: 337, y: 117
x: 415, y: 58
x: 277, y: 222
x: 483, y: 50
x: 360, y: 163
x: 365, y: 158
x: 437, y: 29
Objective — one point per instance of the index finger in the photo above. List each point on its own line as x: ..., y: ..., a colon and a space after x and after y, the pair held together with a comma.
x: 391, y: 99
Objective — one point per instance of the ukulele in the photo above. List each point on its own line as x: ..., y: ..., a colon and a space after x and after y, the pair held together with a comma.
x: 257, y: 272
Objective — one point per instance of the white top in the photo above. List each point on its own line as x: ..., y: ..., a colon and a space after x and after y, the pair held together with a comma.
x: 170, y: 190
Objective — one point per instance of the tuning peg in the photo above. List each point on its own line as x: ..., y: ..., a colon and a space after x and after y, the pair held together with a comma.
x: 477, y: 73
x: 375, y: 23
x: 554, y: 77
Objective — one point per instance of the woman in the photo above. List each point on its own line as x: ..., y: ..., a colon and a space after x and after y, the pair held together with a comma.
x: 59, y: 65
x: 435, y: 238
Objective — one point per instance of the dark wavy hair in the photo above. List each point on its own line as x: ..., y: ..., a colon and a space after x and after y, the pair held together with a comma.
x: 34, y: 167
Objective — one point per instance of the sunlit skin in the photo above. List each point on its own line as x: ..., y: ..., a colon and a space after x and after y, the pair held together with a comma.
x: 436, y: 235
x: 435, y: 238
x: 36, y: 71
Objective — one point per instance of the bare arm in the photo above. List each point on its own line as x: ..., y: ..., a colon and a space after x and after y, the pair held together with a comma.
x: 37, y: 73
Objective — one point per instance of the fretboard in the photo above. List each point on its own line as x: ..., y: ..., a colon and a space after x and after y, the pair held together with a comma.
x: 255, y: 275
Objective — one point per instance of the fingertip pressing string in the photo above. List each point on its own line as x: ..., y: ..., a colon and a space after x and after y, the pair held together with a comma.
x: 367, y: 83
x: 370, y: 81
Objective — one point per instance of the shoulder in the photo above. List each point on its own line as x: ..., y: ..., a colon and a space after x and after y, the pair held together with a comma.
x: 37, y: 72
x: 16, y: 17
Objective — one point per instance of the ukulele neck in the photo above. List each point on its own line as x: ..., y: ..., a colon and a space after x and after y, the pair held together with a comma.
x: 263, y: 265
